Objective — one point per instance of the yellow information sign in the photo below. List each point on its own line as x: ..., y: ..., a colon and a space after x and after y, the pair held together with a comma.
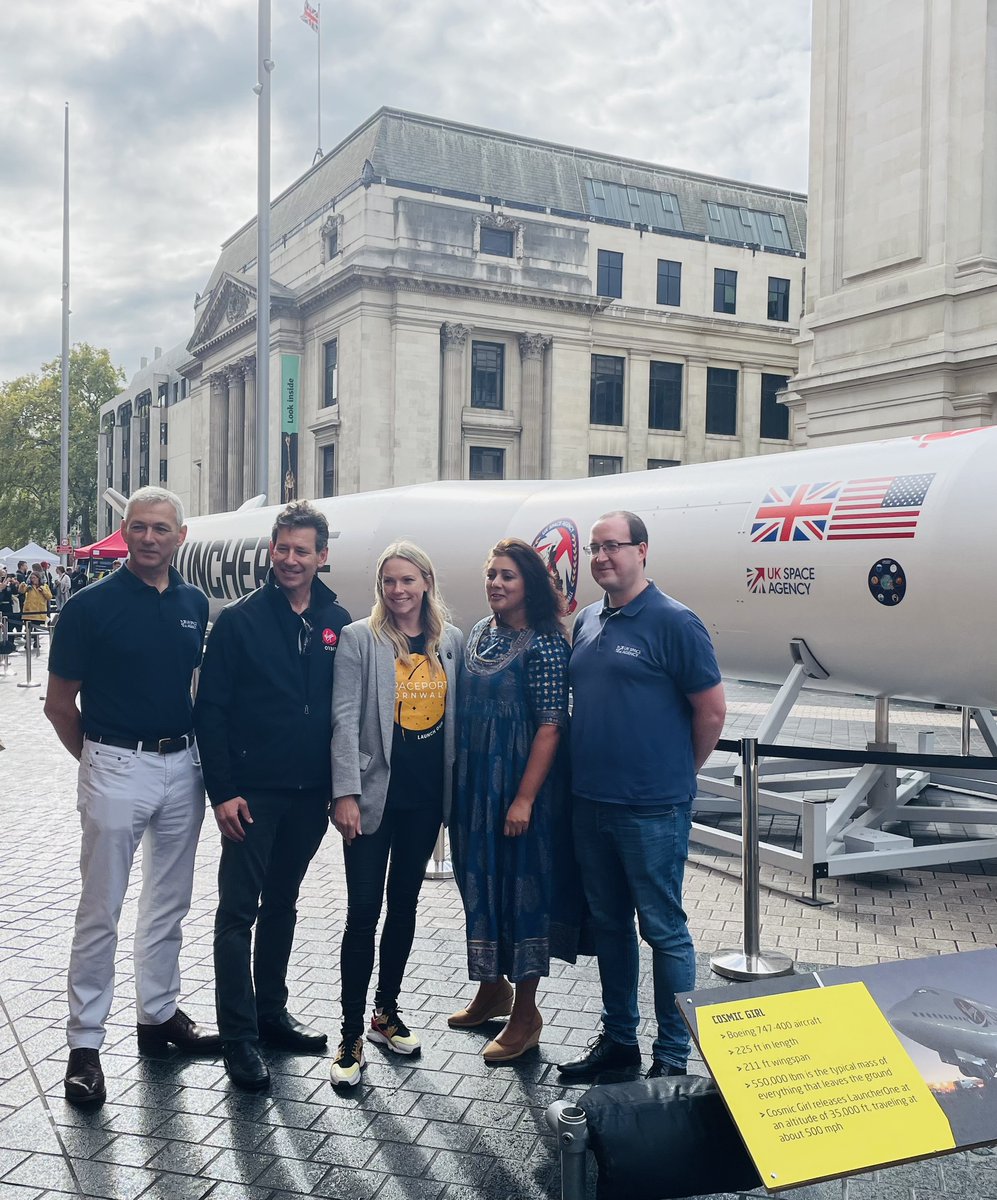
x: 818, y: 1084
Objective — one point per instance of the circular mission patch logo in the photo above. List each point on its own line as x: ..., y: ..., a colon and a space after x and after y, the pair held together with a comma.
x: 888, y: 582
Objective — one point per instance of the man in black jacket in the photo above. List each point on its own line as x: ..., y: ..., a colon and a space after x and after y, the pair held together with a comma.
x: 262, y: 724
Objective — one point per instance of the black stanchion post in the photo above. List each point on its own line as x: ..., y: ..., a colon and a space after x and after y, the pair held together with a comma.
x: 750, y: 962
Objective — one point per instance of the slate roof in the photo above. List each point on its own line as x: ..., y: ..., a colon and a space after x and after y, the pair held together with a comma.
x: 408, y: 149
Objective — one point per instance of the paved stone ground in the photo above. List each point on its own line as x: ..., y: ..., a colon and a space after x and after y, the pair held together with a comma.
x: 445, y: 1127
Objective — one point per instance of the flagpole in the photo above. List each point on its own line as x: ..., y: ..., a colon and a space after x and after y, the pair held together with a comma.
x: 64, y: 407
x: 318, y: 84
x: 262, y: 89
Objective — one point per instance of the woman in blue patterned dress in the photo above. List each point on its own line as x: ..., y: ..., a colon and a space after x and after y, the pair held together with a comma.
x: 510, y: 822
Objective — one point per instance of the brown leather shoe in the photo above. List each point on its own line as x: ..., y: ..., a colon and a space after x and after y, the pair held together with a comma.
x: 84, y: 1082
x: 506, y: 1051
x: 475, y: 1014
x: 182, y: 1032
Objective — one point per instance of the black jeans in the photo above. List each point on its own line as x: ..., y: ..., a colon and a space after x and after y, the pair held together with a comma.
x: 407, y: 837
x: 258, y: 882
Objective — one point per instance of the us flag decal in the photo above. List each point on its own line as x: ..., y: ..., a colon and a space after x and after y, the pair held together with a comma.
x: 850, y: 510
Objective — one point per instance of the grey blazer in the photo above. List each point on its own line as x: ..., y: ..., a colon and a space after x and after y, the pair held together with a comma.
x: 363, y: 707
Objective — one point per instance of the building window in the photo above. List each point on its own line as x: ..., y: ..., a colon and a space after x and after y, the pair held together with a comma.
x: 778, y: 299
x: 721, y: 401
x: 330, y: 390
x: 328, y: 460
x: 610, y: 275
x: 332, y: 242
x: 669, y: 282
x: 162, y: 470
x: 605, y: 464
x: 664, y: 396
x: 487, y: 375
x: 164, y: 433
x: 774, y: 416
x: 655, y: 464
x: 606, y: 390
x: 724, y: 291
x: 497, y: 241
x: 487, y: 462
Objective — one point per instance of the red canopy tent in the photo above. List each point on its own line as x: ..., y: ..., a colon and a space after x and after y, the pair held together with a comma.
x: 113, y: 546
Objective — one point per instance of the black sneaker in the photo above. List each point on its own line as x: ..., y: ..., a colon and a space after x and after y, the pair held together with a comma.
x: 603, y: 1054
x: 658, y: 1070
x: 348, y: 1063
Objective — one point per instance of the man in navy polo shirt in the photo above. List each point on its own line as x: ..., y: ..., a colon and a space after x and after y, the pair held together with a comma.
x: 648, y: 708
x: 263, y: 723
x: 128, y: 647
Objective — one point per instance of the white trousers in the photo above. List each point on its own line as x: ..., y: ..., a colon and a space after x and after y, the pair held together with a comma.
x: 125, y: 797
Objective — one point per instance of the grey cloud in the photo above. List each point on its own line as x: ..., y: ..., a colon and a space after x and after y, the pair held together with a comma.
x: 164, y: 122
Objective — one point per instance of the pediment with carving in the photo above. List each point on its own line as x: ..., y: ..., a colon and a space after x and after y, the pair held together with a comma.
x: 231, y: 303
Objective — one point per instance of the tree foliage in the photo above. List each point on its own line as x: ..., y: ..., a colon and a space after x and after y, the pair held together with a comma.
x: 29, y: 446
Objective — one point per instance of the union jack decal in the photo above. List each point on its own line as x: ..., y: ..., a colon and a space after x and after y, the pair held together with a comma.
x: 795, y: 513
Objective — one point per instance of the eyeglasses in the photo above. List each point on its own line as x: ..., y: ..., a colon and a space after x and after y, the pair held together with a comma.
x: 611, y: 548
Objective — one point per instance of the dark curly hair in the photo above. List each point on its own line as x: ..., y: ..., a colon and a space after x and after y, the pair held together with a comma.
x: 302, y: 514
x: 544, y: 603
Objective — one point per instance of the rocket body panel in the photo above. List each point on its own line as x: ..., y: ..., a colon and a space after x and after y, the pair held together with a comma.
x: 875, y: 554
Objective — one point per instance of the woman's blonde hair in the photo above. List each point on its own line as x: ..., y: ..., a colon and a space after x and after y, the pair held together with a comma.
x: 434, y: 612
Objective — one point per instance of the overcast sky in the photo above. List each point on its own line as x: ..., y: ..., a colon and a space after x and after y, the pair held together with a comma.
x: 163, y: 123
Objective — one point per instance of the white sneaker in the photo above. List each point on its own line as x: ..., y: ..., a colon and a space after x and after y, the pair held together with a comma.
x: 388, y: 1029
x: 348, y: 1064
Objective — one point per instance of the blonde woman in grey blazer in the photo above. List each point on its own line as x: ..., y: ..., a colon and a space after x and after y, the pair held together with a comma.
x: 393, y: 706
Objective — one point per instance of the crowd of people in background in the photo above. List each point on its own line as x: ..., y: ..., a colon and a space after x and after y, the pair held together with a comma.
x: 32, y: 595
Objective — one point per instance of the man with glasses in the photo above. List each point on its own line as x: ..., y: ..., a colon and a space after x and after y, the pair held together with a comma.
x: 262, y: 721
x: 648, y: 708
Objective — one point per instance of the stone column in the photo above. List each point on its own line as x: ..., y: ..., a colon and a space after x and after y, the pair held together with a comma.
x: 694, y: 409
x: 135, y: 452
x: 453, y: 338
x: 116, y: 453
x: 248, y: 365
x: 217, y: 443
x: 531, y: 351
x: 236, y: 434
x: 750, y: 401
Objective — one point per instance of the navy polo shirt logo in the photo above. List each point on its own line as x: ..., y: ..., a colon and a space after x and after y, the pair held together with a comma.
x: 629, y: 651
x: 186, y: 624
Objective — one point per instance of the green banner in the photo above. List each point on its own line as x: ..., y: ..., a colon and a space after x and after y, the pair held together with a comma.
x: 290, y: 405
x: 290, y: 369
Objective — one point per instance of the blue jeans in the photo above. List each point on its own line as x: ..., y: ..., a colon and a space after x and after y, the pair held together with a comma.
x: 632, y: 859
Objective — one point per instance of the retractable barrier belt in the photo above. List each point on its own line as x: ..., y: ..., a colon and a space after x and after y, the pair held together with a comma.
x: 958, y: 762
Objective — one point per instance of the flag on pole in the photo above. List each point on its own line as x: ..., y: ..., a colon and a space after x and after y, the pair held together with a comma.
x: 310, y: 16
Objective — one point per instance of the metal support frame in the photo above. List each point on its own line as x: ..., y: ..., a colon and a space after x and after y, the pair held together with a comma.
x: 841, y: 812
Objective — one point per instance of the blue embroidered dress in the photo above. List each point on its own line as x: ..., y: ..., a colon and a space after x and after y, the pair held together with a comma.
x: 521, y: 894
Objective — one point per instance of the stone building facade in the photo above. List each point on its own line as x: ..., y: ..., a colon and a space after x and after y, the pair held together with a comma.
x: 901, y: 307
x: 471, y: 304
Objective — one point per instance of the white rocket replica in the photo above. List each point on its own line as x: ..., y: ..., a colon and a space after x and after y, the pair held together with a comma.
x: 874, y: 558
